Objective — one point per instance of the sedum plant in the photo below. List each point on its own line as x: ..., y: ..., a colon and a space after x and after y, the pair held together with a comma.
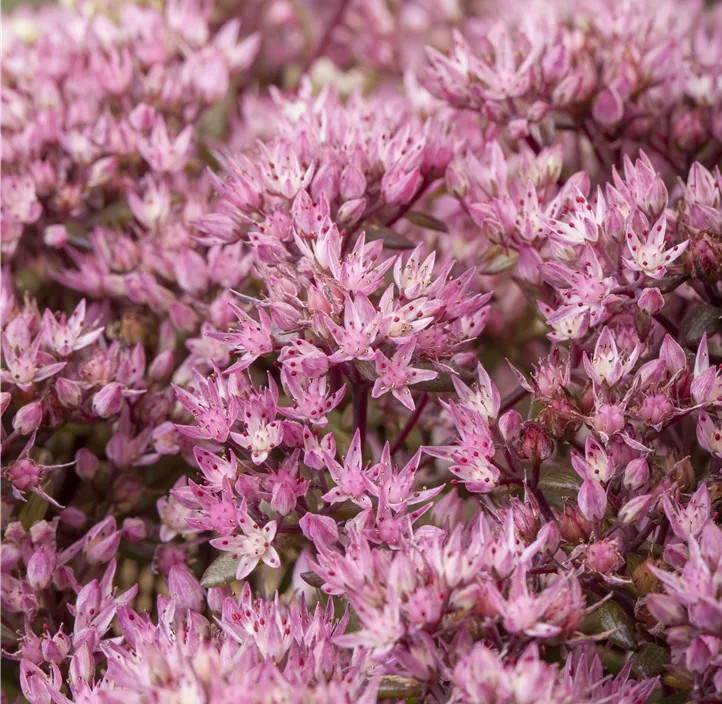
x: 361, y: 351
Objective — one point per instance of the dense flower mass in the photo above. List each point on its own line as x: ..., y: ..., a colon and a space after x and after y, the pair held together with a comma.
x: 361, y: 351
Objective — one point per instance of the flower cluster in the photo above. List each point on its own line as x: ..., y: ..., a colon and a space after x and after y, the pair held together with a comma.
x: 361, y: 351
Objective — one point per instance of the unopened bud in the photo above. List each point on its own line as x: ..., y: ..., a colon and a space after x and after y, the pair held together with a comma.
x: 134, y: 530
x: 109, y: 400
x: 101, y: 542
x: 185, y: 589
x: 86, y: 464
x: 535, y: 445
x: 40, y: 567
x: 510, y: 425
x: 636, y: 474
x: 162, y: 366
x: 28, y: 418
x: 55, y: 236
x: 574, y: 528
x: 69, y: 392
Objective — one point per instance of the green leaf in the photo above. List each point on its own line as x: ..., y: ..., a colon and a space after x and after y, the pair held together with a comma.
x: 698, y: 321
x: 391, y: 239
x: 395, y: 687
x: 313, y: 579
x: 650, y: 660
x: 497, y: 260
x: 221, y: 571
x: 33, y: 511
x: 610, y: 619
x: 558, y: 486
x: 426, y: 221
x: 118, y: 212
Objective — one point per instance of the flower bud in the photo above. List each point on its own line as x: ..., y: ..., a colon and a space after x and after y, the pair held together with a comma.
x: 109, y: 400
x: 655, y: 409
x: 704, y: 257
x: 142, y: 117
x: 325, y: 182
x: 510, y: 425
x: 656, y: 197
x: 41, y: 566
x: 216, y: 596
x: 353, y: 183
x: 688, y: 131
x: 183, y: 317
x: 351, y: 211
x: 165, y: 439
x: 608, y: 109
x: 162, y: 366
x: 86, y: 464
x: 101, y: 542
x: 32, y: 649
x: 518, y: 128
x: 69, y: 392
x: 636, y: 474
x: 535, y: 445
x: 666, y: 609
x: 127, y: 491
x: 549, y: 538
x: 642, y: 323
x: 166, y: 556
x: 283, y: 498
x: 28, y: 418
x: 191, y: 272
x: 399, y: 186
x: 185, y: 589
x: 24, y: 474
x: 651, y: 301
x: 5, y: 399
x: 526, y: 518
x: 134, y: 530
x: 457, y: 182
x: 82, y: 666
x: 609, y: 419
x: 73, y: 517
x: 604, y: 557
x: 319, y: 529
x: 560, y: 416
x: 592, y: 500
x: 574, y: 528
x: 55, y: 236
x: 43, y: 532
x: 9, y: 557
x: 64, y: 580
x: 102, y: 171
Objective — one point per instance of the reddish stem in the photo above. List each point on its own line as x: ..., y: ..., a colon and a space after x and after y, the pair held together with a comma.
x: 410, y: 423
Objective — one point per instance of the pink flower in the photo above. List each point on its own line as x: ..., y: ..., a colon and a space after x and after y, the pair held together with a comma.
x: 212, y: 407
x: 23, y: 368
x: 607, y: 364
x: 311, y: 401
x: 362, y: 325
x: 648, y: 255
x: 252, y: 339
x: 251, y: 547
x: 397, y: 374
x: 163, y: 153
x: 262, y: 432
